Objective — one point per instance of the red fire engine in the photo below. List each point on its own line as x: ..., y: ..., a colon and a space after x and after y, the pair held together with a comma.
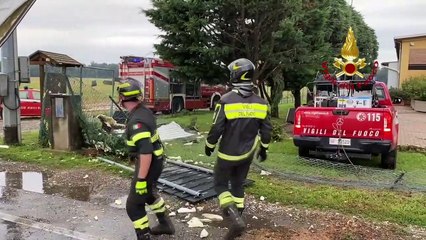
x: 164, y: 93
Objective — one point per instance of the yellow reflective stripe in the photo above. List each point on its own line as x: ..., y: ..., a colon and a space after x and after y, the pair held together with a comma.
x: 240, y: 157
x: 158, y: 207
x: 265, y: 145
x: 134, y: 92
x: 210, y: 145
x: 239, y: 202
x: 141, y: 223
x: 245, y: 110
x: 225, y: 198
x: 124, y: 85
x: 130, y: 143
x: 159, y: 152
x: 155, y: 138
x: 216, y: 112
x: 141, y: 135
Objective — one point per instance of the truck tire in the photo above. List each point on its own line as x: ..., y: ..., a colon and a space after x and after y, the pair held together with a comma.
x: 389, y: 159
x: 214, y: 102
x: 303, y: 152
x: 177, y: 105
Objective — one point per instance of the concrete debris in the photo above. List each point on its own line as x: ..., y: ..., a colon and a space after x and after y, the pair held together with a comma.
x: 173, y: 131
x: 118, y: 201
x: 254, y: 217
x: 204, y: 233
x: 172, y: 214
x: 96, y: 218
x: 265, y: 173
x: 86, y: 176
x: 4, y: 146
x: 195, y: 222
x: 186, y: 210
x: 262, y: 198
x: 201, y: 155
x: 213, y: 217
x: 175, y: 158
x: 205, y: 220
x: 188, y: 144
x: 200, y: 209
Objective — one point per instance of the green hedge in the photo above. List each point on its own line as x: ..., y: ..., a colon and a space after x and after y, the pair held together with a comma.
x: 395, y: 92
x: 415, y: 87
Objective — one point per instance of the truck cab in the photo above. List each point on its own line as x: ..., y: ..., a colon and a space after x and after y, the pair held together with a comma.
x: 348, y: 118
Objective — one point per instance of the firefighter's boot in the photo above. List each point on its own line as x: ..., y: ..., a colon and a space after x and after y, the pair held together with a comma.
x: 237, y: 224
x: 165, y: 225
x: 240, y: 211
x: 142, y: 234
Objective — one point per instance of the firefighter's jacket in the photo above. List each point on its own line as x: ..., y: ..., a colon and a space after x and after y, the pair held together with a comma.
x: 141, y: 133
x: 241, y: 121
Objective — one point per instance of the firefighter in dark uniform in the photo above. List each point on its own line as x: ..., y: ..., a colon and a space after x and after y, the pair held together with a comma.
x: 241, y: 118
x: 146, y: 149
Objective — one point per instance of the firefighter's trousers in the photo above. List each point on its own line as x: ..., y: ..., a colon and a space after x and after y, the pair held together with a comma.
x: 135, y: 205
x: 235, y: 172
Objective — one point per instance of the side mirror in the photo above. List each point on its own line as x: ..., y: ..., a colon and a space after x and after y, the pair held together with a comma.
x: 397, y: 100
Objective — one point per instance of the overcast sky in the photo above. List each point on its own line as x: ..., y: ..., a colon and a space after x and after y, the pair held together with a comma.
x: 104, y: 30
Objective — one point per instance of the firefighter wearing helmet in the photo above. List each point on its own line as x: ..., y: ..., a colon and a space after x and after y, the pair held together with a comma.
x: 241, y: 118
x: 146, y: 149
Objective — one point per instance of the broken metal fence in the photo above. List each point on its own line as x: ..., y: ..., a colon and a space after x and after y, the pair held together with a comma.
x: 93, y: 88
x: 360, y: 173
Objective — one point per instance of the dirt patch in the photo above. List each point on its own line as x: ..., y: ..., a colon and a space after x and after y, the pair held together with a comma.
x: 264, y: 220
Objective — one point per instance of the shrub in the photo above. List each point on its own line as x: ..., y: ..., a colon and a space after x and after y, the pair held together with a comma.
x: 395, y: 92
x: 277, y: 129
x: 415, y: 87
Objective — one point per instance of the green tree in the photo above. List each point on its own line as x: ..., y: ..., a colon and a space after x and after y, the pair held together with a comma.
x: 287, y: 40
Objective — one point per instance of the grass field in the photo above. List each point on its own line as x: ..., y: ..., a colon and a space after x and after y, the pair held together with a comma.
x: 384, y: 205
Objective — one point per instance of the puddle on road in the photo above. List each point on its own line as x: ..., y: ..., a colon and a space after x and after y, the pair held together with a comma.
x: 37, y: 182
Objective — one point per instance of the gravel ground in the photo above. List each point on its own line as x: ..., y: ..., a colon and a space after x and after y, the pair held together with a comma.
x: 27, y: 124
x: 265, y: 220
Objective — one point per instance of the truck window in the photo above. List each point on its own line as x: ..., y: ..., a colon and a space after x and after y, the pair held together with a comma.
x: 23, y: 94
x: 380, y: 92
x: 36, y: 95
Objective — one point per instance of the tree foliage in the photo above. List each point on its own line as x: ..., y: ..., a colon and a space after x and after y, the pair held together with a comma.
x: 287, y: 40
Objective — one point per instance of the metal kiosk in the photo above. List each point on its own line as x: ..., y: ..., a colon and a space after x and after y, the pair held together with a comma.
x: 66, y: 130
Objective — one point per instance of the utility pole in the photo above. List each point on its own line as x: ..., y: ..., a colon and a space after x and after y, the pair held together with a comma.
x: 11, y: 106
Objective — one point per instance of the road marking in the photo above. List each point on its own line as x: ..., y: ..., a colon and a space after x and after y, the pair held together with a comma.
x: 47, y: 227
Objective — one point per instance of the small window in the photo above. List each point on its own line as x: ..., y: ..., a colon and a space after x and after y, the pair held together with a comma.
x: 23, y: 94
x: 416, y: 67
x: 380, y: 93
x: 36, y: 95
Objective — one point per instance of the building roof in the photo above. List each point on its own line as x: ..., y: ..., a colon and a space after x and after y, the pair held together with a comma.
x: 399, y: 39
x: 55, y: 59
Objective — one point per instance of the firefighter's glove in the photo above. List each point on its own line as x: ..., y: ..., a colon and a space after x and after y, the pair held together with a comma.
x: 208, y: 150
x: 262, y: 154
x: 140, y: 187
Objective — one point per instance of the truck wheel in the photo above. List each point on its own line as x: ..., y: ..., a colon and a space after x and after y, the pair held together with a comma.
x: 303, y: 152
x: 214, y: 102
x: 389, y: 159
x: 177, y: 105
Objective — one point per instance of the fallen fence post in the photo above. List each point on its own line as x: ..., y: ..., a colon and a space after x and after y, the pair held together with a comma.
x: 160, y: 180
x: 190, y: 166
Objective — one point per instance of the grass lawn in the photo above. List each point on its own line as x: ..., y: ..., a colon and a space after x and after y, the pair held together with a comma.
x: 382, y: 205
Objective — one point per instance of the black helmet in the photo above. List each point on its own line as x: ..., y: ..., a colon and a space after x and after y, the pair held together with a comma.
x: 129, y: 89
x: 242, y: 72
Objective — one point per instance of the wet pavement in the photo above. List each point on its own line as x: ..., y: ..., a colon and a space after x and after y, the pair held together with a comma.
x: 38, y: 182
x: 42, y: 203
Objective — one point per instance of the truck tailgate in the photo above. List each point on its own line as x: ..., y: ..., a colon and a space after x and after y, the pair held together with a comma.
x: 345, y: 123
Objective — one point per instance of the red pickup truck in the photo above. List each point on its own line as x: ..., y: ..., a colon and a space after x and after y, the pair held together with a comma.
x: 30, y: 103
x: 345, y: 121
